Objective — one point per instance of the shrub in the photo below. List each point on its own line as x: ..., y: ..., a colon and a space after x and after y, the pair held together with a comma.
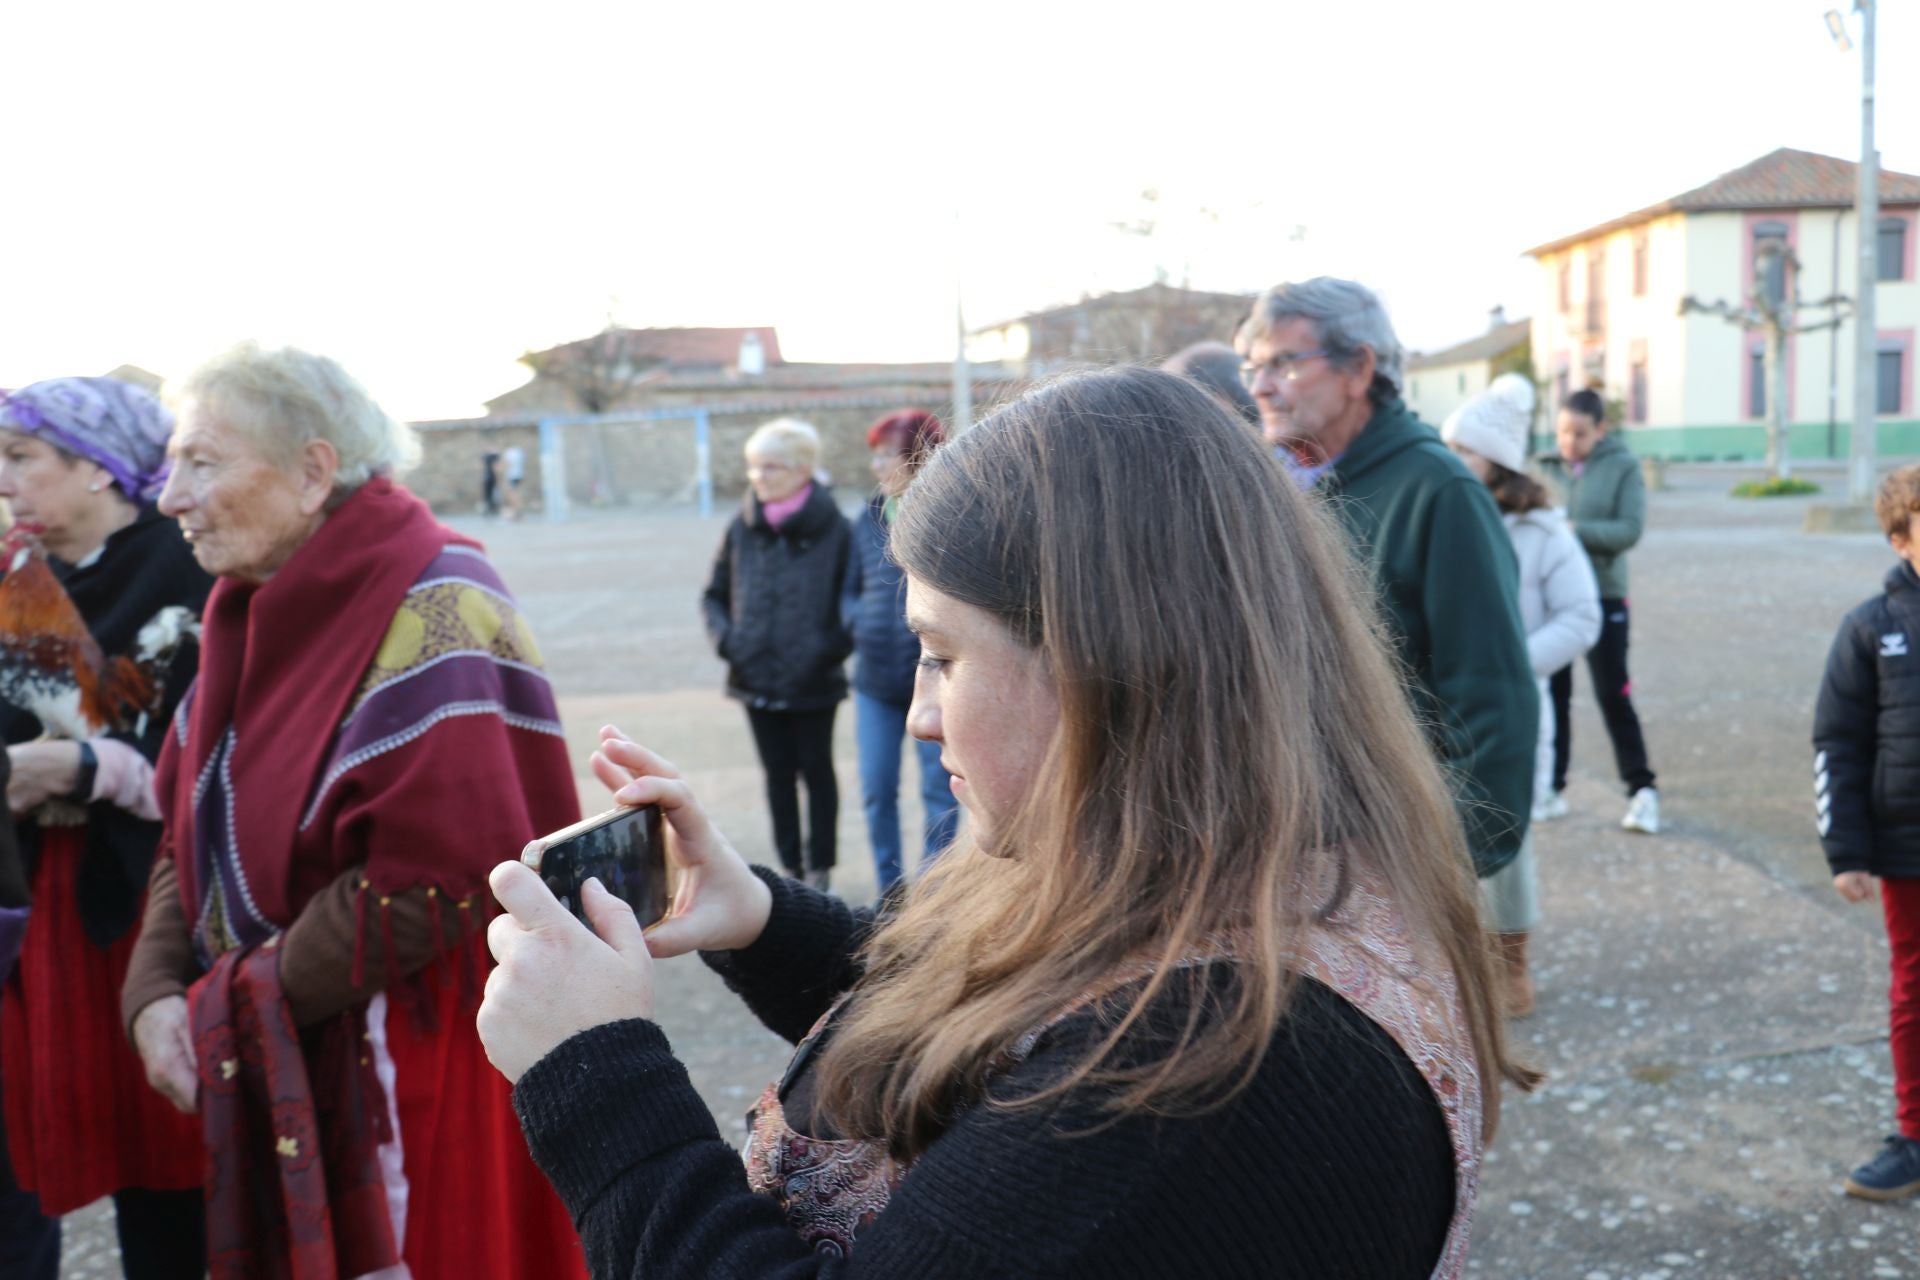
x: 1774, y: 487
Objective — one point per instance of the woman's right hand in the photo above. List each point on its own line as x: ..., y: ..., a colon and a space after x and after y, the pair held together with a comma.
x: 163, y: 1035
x: 718, y: 903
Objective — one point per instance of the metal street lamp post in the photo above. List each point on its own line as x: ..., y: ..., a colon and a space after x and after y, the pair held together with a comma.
x: 1862, y: 461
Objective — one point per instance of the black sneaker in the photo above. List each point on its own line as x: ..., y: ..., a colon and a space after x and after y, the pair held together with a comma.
x: 1894, y: 1173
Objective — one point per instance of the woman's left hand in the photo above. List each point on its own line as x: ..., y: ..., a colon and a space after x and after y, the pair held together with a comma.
x: 41, y: 770
x: 556, y: 978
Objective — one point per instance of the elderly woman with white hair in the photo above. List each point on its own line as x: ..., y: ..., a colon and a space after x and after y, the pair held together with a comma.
x: 772, y: 609
x: 371, y: 730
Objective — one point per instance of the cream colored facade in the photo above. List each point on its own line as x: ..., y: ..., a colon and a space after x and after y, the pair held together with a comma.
x: 1434, y: 391
x: 1438, y: 382
x: 1696, y: 368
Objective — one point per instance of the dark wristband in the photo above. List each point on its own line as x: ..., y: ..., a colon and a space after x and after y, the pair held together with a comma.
x: 83, y: 780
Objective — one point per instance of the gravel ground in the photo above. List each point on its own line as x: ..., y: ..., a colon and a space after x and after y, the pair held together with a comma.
x: 1711, y: 1016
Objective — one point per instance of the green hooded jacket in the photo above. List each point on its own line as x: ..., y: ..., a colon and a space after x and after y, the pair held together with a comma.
x: 1447, y: 579
x: 1607, y: 503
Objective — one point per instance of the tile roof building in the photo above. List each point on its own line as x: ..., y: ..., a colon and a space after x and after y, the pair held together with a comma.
x: 1607, y: 310
x: 1439, y: 382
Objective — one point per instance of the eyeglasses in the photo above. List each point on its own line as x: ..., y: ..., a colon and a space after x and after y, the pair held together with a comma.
x: 1284, y: 367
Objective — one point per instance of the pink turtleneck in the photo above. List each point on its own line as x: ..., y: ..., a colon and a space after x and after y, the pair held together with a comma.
x: 777, y: 512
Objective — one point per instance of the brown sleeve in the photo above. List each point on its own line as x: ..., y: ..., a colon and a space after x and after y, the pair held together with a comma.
x: 316, y: 954
x: 162, y: 963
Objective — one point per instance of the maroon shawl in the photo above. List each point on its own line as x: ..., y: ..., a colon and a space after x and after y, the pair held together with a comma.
x: 280, y: 663
x: 288, y: 1194
x: 330, y: 735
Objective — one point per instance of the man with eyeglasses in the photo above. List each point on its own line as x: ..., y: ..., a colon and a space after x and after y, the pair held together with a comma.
x: 1324, y: 367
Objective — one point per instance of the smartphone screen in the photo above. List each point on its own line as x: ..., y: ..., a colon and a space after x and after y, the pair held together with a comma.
x: 623, y: 847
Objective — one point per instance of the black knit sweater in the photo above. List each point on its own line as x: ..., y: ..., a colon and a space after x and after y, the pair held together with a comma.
x: 1334, y: 1162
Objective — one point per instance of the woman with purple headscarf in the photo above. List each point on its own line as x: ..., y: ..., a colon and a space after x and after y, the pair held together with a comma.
x: 81, y: 460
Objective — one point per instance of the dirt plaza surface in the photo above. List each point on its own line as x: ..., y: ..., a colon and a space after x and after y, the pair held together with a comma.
x: 1711, y: 1015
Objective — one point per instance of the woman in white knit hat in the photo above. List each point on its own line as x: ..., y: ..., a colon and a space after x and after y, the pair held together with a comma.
x: 1560, y: 605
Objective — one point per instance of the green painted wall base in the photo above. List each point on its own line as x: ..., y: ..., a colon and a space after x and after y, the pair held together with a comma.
x: 1747, y: 441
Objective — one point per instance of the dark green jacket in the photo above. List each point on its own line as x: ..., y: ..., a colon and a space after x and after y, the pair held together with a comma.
x: 1445, y: 572
x: 1607, y: 503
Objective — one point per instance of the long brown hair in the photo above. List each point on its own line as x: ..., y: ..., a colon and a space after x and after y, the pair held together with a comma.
x: 1231, y: 727
x: 1516, y: 492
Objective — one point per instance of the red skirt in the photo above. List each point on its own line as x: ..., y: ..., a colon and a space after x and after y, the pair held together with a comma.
x: 478, y: 1208
x: 82, y: 1122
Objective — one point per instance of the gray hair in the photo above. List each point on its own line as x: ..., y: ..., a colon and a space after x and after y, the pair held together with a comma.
x: 1348, y: 316
x: 286, y: 398
x: 789, y: 439
x: 1217, y: 369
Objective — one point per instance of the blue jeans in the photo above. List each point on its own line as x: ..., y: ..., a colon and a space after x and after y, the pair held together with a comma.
x: 878, y: 727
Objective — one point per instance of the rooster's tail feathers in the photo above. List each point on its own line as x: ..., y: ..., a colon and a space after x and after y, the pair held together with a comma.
x: 123, y: 692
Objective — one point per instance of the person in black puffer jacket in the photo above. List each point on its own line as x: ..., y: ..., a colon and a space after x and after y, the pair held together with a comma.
x: 1866, y: 781
x: 886, y: 655
x: 772, y: 610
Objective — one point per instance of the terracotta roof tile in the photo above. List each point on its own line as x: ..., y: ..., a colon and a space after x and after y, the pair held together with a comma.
x: 1782, y: 179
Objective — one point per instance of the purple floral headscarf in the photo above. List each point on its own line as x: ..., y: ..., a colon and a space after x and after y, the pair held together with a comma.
x: 104, y: 420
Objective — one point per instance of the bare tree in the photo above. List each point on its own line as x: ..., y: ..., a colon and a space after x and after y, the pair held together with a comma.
x: 1771, y: 307
x: 598, y: 372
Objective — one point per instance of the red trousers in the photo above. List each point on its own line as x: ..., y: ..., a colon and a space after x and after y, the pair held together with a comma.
x: 1902, y: 900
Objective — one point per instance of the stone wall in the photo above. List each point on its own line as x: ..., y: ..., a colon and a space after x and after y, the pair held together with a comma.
x: 449, y: 473
x: 617, y: 463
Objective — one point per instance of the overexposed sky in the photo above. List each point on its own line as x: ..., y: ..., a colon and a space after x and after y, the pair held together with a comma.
x: 426, y: 190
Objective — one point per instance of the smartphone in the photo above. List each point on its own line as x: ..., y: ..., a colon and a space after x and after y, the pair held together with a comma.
x: 624, y: 847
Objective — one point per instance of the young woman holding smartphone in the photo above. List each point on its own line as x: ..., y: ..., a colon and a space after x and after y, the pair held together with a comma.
x: 1201, y: 990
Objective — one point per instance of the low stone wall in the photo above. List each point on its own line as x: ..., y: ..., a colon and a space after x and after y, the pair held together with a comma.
x: 449, y: 473
x: 620, y: 463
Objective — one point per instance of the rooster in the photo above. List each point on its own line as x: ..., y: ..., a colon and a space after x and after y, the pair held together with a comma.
x: 51, y: 665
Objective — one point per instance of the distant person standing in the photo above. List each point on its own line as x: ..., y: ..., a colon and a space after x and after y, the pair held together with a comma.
x: 513, y: 460
x: 772, y: 609
x: 886, y: 655
x: 1324, y: 366
x: 1607, y: 502
x: 490, y: 483
x: 1560, y: 608
x: 1866, y: 779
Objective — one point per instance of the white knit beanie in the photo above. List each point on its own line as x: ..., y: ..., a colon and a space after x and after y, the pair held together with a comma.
x: 1497, y: 423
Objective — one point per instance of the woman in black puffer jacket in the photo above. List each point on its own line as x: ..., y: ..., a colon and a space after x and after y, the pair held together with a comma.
x: 773, y: 613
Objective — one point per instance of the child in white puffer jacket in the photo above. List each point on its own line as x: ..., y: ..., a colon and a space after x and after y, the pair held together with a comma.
x: 1560, y: 607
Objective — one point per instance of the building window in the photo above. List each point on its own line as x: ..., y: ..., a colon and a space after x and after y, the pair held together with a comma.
x: 1566, y: 283
x: 1756, y: 383
x: 1560, y: 388
x: 1768, y: 254
x: 1891, y: 250
x: 1637, y: 392
x: 1890, y: 376
x: 1640, y: 265
x: 1765, y: 232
